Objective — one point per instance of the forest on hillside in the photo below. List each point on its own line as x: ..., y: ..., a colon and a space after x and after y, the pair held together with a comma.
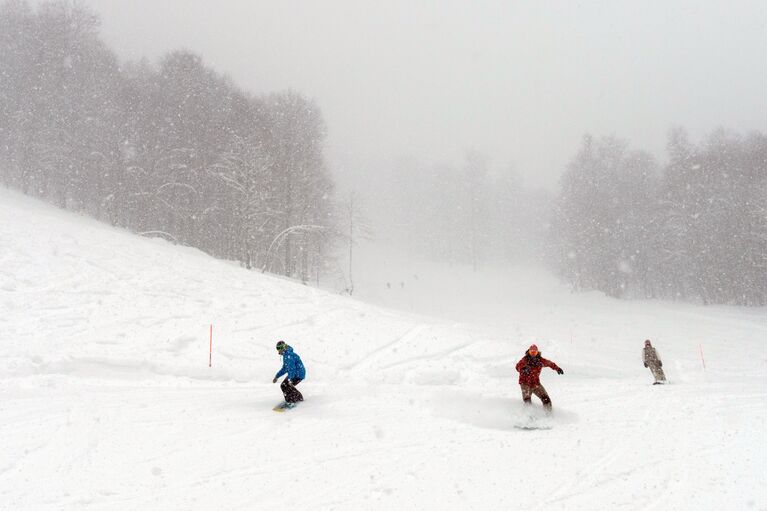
x: 171, y: 149
x: 177, y: 150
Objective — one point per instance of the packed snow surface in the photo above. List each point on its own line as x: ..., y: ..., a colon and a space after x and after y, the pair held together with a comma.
x: 107, y: 401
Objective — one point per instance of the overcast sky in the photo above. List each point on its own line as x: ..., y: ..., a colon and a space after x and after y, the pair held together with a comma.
x: 519, y: 81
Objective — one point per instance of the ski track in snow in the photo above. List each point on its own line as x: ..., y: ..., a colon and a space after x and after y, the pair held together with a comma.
x: 107, y: 401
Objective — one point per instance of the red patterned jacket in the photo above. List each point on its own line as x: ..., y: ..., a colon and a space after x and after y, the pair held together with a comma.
x: 529, y: 369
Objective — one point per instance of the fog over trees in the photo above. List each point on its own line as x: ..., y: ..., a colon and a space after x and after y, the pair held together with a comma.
x: 459, y: 213
x: 692, y: 228
x: 172, y: 149
x: 176, y: 150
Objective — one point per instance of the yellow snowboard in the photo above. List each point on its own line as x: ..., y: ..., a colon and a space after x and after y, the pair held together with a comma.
x: 284, y: 406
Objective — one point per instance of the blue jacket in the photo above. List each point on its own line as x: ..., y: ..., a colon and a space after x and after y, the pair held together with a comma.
x: 291, y: 364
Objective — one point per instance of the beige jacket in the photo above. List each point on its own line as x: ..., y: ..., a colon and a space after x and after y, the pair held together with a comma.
x: 651, y: 356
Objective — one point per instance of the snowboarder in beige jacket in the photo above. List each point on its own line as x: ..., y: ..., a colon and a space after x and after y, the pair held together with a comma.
x: 653, y: 361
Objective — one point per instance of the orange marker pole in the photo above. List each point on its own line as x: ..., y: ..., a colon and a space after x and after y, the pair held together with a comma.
x: 700, y: 345
x: 210, y: 356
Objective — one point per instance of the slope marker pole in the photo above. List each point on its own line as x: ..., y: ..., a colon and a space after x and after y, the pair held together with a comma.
x: 700, y: 346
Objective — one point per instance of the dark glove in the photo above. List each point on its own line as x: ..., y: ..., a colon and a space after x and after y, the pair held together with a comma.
x: 660, y: 364
x: 560, y: 371
x: 645, y: 365
x: 274, y: 380
x: 525, y: 370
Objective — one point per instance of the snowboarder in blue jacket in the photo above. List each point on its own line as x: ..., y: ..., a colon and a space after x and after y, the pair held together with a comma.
x: 294, y: 368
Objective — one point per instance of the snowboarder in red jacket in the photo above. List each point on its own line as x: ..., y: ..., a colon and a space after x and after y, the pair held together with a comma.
x: 529, y: 369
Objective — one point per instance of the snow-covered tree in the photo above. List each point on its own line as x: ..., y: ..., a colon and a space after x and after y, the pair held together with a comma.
x: 175, y: 150
x: 603, y: 216
x: 695, y: 232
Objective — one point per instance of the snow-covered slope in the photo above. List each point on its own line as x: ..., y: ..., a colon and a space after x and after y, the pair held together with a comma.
x: 107, y: 400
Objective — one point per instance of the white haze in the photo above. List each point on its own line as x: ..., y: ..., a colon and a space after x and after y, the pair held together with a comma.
x: 138, y: 373
x: 519, y: 82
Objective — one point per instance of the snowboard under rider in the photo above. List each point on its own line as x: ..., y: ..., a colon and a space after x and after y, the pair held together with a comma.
x: 653, y: 361
x: 529, y: 369
x: 294, y: 368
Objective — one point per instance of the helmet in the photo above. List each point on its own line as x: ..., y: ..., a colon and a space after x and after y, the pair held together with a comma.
x: 533, y: 349
x: 647, y: 342
x: 281, y: 346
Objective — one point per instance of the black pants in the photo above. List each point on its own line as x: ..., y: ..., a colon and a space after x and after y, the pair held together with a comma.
x: 289, y: 390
